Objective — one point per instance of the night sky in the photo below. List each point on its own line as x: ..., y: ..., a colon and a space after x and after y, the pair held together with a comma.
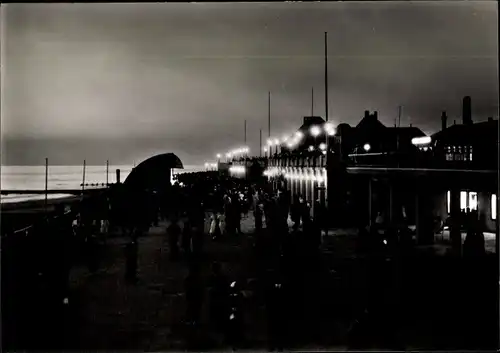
x: 126, y: 81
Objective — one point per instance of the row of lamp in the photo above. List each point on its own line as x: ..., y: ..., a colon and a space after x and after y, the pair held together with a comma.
x: 235, y: 153
x: 210, y: 166
x: 291, y: 141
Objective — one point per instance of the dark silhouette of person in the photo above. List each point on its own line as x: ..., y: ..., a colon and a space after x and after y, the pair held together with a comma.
x: 194, y: 294
x: 474, y: 244
x: 187, y: 236
x: 197, y: 241
x: 295, y: 212
x: 131, y: 258
x: 237, y: 213
x: 258, y: 212
x: 173, y: 233
x: 276, y: 310
x: 219, y: 297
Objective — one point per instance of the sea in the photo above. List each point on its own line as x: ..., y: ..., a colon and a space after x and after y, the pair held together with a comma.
x: 63, y: 178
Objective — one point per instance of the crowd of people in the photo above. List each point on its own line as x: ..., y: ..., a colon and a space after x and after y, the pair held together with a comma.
x: 274, y: 275
x: 286, y: 266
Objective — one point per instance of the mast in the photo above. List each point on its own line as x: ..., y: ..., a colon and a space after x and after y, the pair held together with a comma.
x: 269, y: 119
x: 399, y: 125
x: 326, y: 76
x: 399, y: 116
x: 83, y: 178
x: 260, y: 143
x: 312, y: 101
x: 327, y: 137
x: 46, y: 182
x: 107, y: 173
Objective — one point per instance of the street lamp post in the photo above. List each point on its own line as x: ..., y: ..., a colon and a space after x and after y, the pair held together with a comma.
x: 315, y: 131
x: 277, y: 144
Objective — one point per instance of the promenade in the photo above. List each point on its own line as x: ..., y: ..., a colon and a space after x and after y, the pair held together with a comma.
x: 113, y: 314
x: 429, y: 298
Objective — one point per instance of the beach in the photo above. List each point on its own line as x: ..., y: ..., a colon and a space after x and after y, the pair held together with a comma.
x: 19, y: 210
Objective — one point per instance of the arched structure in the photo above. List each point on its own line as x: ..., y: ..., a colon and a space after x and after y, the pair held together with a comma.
x: 154, y: 173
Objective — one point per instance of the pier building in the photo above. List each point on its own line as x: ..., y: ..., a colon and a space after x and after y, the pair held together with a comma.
x: 362, y: 171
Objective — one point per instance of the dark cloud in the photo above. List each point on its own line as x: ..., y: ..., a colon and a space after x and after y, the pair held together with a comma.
x: 125, y: 80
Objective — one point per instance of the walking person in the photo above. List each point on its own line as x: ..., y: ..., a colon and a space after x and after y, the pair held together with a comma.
x: 187, y: 236
x: 197, y: 242
x: 194, y: 294
x: 237, y: 215
x: 295, y: 213
x: 228, y: 214
x: 275, y: 308
x: 173, y: 234
x: 215, y: 226
x: 258, y: 216
x: 132, y: 254
x: 219, y: 297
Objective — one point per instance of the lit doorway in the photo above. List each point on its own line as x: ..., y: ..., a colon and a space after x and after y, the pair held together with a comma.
x: 468, y: 199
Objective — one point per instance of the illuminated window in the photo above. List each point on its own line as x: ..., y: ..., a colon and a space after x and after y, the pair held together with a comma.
x: 467, y: 199
x: 472, y: 200
x: 463, y: 199
x: 493, y: 207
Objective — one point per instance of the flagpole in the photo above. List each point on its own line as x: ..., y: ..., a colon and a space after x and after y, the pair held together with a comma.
x: 107, y: 173
x: 83, y: 179
x: 260, y: 143
x: 269, y: 120
x: 46, y: 182
x: 312, y: 101
x: 326, y: 114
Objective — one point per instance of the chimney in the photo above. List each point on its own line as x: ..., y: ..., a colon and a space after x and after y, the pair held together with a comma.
x: 367, y: 114
x: 454, y: 122
x: 490, y: 119
x: 410, y: 124
x: 466, y: 111
x: 444, y: 120
x: 375, y: 115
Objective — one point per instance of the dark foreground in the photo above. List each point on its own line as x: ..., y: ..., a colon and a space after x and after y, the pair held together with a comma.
x: 412, y: 302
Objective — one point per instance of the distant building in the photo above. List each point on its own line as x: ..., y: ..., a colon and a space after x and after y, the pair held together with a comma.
x: 470, y: 146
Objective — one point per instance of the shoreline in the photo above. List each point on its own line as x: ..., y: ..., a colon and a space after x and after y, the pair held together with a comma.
x: 26, y: 205
x: 15, y: 216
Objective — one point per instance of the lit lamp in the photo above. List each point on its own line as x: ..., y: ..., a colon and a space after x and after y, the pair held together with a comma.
x: 315, y: 130
x: 367, y: 147
x: 277, y: 144
x: 329, y: 129
x: 311, y: 148
x: 322, y: 146
x: 296, y: 139
x: 270, y: 144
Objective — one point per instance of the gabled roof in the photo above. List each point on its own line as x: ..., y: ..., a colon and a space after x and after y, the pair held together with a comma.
x: 485, y: 131
x: 310, y: 121
x: 370, y: 122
